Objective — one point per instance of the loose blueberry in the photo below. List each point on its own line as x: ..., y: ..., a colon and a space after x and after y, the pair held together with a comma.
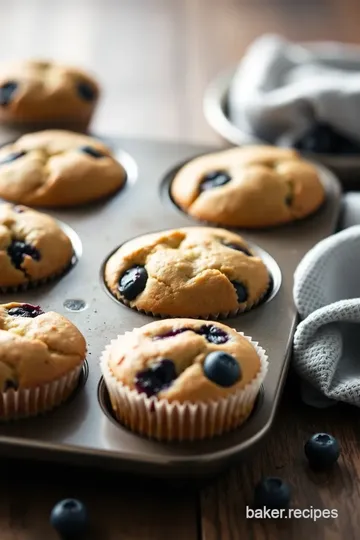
x: 69, y: 518
x: 241, y: 291
x: 17, y: 251
x: 26, y: 310
x: 214, y: 334
x: 11, y: 157
x: 238, y: 247
x: 91, y: 151
x: 10, y: 384
x: 322, y: 450
x: 214, y: 179
x: 133, y: 282
x: 272, y: 493
x: 222, y: 369
x: 86, y: 91
x: 7, y: 91
x: 158, y: 377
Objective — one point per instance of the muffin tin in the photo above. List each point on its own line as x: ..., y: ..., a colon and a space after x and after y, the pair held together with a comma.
x: 83, y: 430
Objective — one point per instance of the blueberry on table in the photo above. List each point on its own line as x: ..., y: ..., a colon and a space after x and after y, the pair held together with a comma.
x: 272, y: 492
x: 69, y: 518
x: 222, y: 369
x: 133, y: 282
x: 322, y: 450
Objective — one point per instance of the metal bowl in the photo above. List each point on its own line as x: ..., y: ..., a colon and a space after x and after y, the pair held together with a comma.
x: 215, y: 104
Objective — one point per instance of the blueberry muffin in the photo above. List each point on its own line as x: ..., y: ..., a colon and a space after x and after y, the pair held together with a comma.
x: 250, y: 187
x: 183, y: 378
x: 41, y: 357
x: 46, y: 94
x: 57, y: 169
x: 188, y: 272
x: 32, y: 247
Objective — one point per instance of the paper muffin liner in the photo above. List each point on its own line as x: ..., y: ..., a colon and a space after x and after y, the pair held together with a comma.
x: 26, y: 402
x: 33, y: 284
x: 175, y: 421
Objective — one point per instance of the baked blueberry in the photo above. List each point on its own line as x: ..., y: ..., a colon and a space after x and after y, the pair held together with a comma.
x: 272, y: 493
x: 17, y: 251
x: 214, y: 334
x: 133, y: 282
x: 322, y: 450
x: 26, y: 310
x: 214, y: 179
x: 172, y: 333
x: 7, y: 91
x: 238, y: 247
x: 241, y: 291
x: 10, y: 384
x: 221, y: 368
x: 69, y: 518
x: 11, y: 157
x: 86, y: 91
x: 156, y: 378
x: 91, y: 151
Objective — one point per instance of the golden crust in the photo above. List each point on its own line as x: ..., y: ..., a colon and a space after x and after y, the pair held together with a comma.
x: 190, y: 272
x: 37, y: 351
x: 53, y: 172
x: 47, y: 94
x: 40, y: 232
x: 136, y: 351
x: 263, y: 178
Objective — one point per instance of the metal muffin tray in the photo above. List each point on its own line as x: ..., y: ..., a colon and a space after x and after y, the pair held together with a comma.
x: 83, y: 430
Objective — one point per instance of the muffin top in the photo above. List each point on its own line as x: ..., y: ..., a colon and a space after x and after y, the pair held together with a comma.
x: 254, y: 186
x: 36, y: 347
x: 188, y: 272
x: 32, y: 246
x: 183, y: 360
x: 57, y: 168
x: 37, y: 91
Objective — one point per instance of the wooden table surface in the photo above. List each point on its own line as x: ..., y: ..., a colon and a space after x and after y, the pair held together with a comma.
x: 155, y: 58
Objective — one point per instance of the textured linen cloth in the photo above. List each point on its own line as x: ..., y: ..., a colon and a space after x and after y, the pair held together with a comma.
x: 327, y: 297
x: 280, y: 88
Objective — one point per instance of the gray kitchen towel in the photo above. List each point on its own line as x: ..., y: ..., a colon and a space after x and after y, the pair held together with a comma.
x: 327, y: 297
x: 280, y: 88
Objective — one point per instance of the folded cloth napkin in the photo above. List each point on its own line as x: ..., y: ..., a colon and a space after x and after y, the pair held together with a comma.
x: 327, y: 297
x: 281, y: 88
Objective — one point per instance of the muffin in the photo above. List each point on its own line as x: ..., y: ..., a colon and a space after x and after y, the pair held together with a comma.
x: 254, y: 186
x: 189, y: 272
x: 41, y: 358
x: 183, y: 379
x: 33, y: 247
x: 47, y: 95
x: 57, y: 169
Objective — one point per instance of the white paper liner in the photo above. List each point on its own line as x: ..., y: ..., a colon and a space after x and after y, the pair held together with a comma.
x: 27, y: 402
x: 166, y: 421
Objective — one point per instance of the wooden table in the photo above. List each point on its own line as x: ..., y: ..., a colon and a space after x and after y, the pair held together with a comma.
x: 155, y: 58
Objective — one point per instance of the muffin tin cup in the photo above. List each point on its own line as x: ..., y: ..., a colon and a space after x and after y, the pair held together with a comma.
x: 26, y: 402
x: 187, y: 421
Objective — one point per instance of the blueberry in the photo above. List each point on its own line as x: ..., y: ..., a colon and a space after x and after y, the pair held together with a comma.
x: 11, y: 157
x: 222, y: 369
x: 214, y: 179
x: 86, y: 91
x: 17, y: 251
x: 238, y: 247
x: 69, y: 518
x: 26, y: 310
x: 133, y: 282
x: 10, y: 384
x: 322, y: 450
x: 171, y: 333
x: 241, y: 291
x: 273, y: 493
x: 213, y: 334
x: 6, y: 92
x: 91, y: 151
x: 156, y: 378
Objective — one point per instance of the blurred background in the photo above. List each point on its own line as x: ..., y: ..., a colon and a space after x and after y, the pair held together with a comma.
x: 155, y: 58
